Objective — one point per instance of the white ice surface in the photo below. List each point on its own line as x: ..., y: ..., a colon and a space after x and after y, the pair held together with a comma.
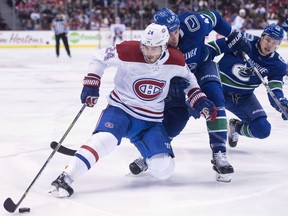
x: 40, y: 96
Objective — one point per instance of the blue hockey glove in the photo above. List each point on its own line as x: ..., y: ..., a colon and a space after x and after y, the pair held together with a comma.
x: 193, y: 112
x: 201, y: 104
x: 177, y: 86
x: 90, y: 91
x: 238, y: 44
x: 284, y: 103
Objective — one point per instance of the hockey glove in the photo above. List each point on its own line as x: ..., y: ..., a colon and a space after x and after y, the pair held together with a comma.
x: 177, y: 86
x: 238, y: 44
x: 90, y: 91
x: 201, y: 104
x: 284, y: 103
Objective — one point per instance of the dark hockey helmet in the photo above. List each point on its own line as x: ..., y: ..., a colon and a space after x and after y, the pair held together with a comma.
x: 167, y: 17
x: 274, y: 31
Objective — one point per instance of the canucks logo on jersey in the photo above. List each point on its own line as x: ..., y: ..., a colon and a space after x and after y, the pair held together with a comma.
x: 245, y: 71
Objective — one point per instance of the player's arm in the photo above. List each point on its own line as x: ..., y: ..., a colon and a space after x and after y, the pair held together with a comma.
x: 236, y: 43
x: 101, y: 60
x: 218, y: 23
x: 217, y: 47
x: 198, y: 102
x: 275, y: 83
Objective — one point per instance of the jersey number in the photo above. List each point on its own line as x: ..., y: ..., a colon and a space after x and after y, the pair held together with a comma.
x: 109, y: 53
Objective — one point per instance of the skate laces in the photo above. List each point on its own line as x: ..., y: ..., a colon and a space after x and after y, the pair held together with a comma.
x: 64, y: 180
x: 220, y: 159
x: 61, y: 186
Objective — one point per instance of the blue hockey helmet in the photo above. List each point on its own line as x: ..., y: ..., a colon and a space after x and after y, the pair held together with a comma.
x: 167, y: 17
x: 274, y: 31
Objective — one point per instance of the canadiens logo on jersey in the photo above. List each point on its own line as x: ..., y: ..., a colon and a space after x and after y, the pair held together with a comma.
x: 148, y: 89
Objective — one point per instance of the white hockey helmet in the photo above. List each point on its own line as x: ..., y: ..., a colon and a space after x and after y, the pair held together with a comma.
x: 155, y: 35
x: 242, y: 12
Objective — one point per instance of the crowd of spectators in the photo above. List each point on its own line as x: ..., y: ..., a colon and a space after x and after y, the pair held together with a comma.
x: 38, y: 14
x: 137, y: 14
x: 258, y: 12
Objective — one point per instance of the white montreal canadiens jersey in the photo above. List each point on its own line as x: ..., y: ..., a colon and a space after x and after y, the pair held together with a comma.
x: 117, y: 29
x: 140, y: 88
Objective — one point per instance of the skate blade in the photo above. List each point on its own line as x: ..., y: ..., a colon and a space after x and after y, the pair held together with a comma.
x: 232, y: 144
x: 130, y: 174
x: 223, y: 177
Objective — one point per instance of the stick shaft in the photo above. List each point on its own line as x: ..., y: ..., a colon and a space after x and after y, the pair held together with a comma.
x: 271, y: 93
x: 9, y: 204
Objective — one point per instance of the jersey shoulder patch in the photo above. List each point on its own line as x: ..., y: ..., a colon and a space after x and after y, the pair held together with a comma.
x: 176, y: 57
x: 130, y: 51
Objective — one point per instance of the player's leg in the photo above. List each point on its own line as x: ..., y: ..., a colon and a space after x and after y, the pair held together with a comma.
x: 100, y: 144
x: 114, y: 41
x: 176, y: 113
x: 176, y: 116
x: 154, y: 146
x: 209, y: 81
x: 57, y: 40
x: 66, y: 44
x: 175, y: 119
x: 253, y: 119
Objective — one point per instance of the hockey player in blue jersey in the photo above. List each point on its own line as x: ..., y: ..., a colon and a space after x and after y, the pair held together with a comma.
x: 239, y: 82
x: 188, y: 32
x: 285, y: 27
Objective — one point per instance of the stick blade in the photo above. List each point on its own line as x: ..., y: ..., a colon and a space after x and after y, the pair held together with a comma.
x: 9, y: 205
x: 53, y: 144
x: 62, y: 149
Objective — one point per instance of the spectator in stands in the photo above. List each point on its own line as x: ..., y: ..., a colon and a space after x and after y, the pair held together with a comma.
x: 83, y: 20
x: 28, y: 25
x: 138, y: 14
x: 260, y: 10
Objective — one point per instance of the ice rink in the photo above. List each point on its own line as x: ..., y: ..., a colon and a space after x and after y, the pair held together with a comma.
x: 40, y: 96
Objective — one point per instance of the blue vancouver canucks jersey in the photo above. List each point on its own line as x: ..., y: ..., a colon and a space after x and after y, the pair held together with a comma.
x: 239, y: 78
x: 194, y: 27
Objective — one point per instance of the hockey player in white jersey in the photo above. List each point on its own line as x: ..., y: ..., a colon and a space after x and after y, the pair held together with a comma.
x: 135, y: 106
x: 117, y: 29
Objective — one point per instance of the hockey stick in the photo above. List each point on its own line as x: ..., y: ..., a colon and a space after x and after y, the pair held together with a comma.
x: 63, y: 150
x: 247, y: 58
x: 9, y: 205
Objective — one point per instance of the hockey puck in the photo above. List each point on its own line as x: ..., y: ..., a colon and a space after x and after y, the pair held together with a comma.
x: 23, y: 210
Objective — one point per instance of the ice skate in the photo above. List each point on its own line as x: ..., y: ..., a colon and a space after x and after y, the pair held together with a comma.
x: 138, y: 166
x: 222, y: 167
x: 233, y: 136
x: 60, y: 187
